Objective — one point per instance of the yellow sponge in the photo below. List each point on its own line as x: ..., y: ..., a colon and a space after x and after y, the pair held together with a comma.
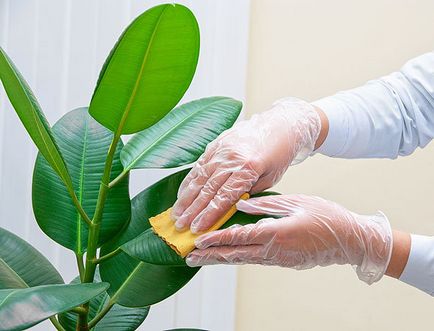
x: 183, y: 242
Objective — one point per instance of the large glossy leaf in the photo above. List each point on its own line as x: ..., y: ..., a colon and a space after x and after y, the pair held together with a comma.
x: 23, y: 308
x: 150, y: 248
x: 134, y: 283
x: 119, y: 318
x: 182, y: 135
x: 84, y: 144
x: 30, y: 114
x: 149, y: 69
x: 23, y: 266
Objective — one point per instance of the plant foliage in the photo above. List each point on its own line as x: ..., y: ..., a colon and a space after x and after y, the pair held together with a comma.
x: 81, y: 177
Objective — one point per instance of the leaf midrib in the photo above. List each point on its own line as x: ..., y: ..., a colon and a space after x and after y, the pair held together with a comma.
x: 36, y: 118
x: 8, y: 296
x: 125, y: 283
x: 142, y: 68
x: 2, y: 261
x: 165, y: 134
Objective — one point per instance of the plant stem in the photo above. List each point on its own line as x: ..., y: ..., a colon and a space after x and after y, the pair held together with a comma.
x: 107, y: 256
x: 92, y: 243
x: 56, y: 323
x: 94, y: 228
x: 119, y: 178
x: 79, y: 310
x: 82, y: 324
x: 80, y: 265
x: 101, y: 314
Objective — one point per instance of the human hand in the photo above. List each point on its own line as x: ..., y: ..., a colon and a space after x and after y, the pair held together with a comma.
x: 249, y: 157
x: 313, y: 232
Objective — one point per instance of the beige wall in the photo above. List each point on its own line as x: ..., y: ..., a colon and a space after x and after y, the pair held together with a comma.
x: 310, y: 49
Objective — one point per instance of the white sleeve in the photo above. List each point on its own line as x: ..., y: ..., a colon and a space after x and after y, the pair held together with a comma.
x: 385, y: 118
x: 419, y: 271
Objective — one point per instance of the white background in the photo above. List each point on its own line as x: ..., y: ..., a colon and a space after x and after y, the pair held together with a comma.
x: 59, y: 47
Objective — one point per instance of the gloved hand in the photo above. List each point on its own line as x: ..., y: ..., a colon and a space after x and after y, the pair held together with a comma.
x: 249, y: 157
x: 315, y: 232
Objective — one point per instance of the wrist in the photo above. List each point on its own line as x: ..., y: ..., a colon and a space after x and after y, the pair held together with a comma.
x: 324, y: 127
x: 337, y: 121
x: 302, y: 123
x: 400, y: 253
x: 375, y: 240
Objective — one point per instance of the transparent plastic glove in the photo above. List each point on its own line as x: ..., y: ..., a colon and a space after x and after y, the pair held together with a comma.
x: 249, y: 157
x: 314, y: 232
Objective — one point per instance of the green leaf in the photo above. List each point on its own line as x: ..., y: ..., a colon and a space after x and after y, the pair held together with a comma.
x: 134, y: 283
x: 30, y: 114
x: 149, y: 69
x: 23, y: 308
x: 84, y: 144
x: 182, y: 135
x: 119, y: 318
x: 23, y: 266
x: 150, y: 248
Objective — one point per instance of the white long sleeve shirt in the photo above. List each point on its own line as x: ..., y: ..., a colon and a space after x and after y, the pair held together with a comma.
x: 385, y: 118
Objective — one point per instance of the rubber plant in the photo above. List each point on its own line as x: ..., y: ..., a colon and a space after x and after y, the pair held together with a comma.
x: 81, y: 176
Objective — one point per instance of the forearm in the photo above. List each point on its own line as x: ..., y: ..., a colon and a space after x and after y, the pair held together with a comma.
x: 419, y: 269
x: 415, y: 269
x: 412, y: 260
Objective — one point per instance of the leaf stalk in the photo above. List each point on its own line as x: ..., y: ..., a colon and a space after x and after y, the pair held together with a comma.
x: 56, y: 323
x: 107, y: 256
x: 80, y: 265
x: 79, y: 208
x: 119, y: 178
